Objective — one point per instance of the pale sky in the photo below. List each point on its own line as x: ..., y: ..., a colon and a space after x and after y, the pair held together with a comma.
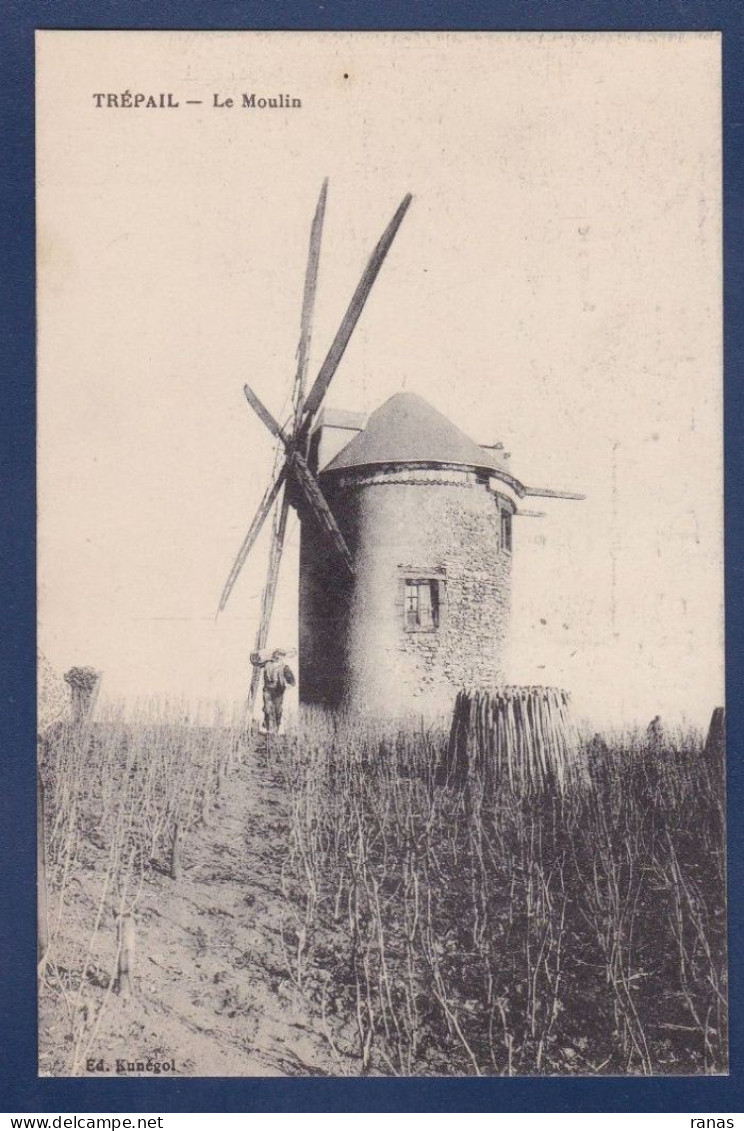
x: 556, y: 285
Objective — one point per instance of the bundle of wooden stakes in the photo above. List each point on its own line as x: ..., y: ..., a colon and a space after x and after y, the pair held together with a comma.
x: 521, y: 738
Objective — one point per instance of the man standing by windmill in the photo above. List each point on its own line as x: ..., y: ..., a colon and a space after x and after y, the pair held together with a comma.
x: 277, y: 677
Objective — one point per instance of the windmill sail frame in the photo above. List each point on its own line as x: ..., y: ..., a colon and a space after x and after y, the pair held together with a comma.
x: 301, y: 489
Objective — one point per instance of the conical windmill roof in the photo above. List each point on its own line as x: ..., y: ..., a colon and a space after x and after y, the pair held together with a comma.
x: 406, y: 429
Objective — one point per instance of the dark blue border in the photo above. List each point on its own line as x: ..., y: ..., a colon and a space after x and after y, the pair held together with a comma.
x: 20, y: 1090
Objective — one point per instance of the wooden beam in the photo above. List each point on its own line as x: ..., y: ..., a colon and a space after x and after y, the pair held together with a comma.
x: 314, y: 497
x: 549, y: 493
x: 263, y: 413
x: 308, y: 305
x: 268, y: 596
x: 353, y: 312
x: 258, y: 520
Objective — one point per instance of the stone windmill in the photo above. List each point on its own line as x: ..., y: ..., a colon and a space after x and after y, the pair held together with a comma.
x: 294, y: 479
x: 427, y: 514
x: 406, y: 538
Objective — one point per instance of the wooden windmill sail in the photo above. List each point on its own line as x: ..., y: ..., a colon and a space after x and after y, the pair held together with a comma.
x: 294, y: 479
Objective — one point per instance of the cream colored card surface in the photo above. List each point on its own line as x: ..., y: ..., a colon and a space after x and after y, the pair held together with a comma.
x: 380, y: 553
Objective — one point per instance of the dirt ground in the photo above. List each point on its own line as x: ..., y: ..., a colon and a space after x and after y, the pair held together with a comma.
x: 211, y: 996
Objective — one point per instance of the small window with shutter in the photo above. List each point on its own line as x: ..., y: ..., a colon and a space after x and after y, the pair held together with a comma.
x: 422, y: 604
x: 506, y: 531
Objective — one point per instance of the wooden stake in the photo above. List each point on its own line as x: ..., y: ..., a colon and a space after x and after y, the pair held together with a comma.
x: 176, y: 852
x: 126, y: 954
x: 206, y: 813
x: 42, y: 912
x: 715, y: 743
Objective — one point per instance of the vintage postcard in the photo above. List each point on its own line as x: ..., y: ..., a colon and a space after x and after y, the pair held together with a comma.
x: 380, y: 554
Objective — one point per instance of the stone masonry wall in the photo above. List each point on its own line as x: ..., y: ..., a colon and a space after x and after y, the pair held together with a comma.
x: 444, y: 525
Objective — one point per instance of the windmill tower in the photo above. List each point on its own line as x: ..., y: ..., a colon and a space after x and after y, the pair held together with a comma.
x: 295, y: 481
x: 406, y: 538
x: 428, y: 516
